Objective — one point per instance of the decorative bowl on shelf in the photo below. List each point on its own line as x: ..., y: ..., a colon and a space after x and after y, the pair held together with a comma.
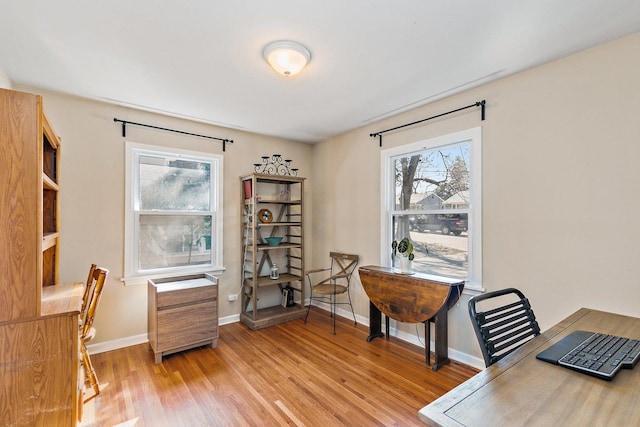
x: 273, y: 241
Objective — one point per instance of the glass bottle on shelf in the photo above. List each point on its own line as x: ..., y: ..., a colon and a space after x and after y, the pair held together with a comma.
x: 274, y: 274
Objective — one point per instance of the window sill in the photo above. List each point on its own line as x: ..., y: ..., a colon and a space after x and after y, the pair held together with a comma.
x: 470, y: 288
x: 142, y: 280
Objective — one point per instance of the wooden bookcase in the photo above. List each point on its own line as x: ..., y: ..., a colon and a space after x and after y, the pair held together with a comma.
x: 39, y: 337
x: 283, y: 197
x: 50, y: 189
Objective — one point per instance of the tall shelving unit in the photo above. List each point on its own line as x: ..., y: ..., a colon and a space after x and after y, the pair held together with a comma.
x: 39, y: 336
x: 50, y: 189
x: 281, y: 197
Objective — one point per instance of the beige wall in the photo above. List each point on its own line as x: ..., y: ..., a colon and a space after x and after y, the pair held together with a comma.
x: 560, y: 181
x: 92, y: 198
x: 5, y: 82
x: 561, y: 185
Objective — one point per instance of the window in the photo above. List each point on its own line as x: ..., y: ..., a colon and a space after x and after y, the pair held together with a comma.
x: 432, y: 195
x: 173, y: 224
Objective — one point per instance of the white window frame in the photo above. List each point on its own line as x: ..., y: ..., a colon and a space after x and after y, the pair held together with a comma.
x: 474, y: 279
x: 133, y: 152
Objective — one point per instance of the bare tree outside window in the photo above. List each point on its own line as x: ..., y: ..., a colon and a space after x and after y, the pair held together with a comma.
x: 431, y: 207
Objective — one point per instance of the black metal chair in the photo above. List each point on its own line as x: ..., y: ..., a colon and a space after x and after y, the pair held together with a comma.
x: 328, y: 289
x: 503, y: 329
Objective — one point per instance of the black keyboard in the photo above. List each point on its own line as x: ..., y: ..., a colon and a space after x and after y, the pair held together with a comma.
x: 596, y: 354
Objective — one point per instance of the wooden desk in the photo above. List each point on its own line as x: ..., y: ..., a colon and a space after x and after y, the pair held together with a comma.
x: 521, y: 390
x: 415, y: 298
x: 63, y: 298
x: 39, y: 362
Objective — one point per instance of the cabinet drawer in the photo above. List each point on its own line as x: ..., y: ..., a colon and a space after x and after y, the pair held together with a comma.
x: 183, y: 325
x: 178, y: 295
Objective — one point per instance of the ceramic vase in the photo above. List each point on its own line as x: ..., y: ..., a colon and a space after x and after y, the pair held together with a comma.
x: 406, y: 265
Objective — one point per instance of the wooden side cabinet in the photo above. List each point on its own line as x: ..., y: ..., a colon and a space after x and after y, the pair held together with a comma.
x: 182, y: 314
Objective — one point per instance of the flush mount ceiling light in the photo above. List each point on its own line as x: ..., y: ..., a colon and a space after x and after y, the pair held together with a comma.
x: 286, y: 57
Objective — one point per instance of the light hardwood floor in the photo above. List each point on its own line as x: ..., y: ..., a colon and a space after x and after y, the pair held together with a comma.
x: 289, y: 374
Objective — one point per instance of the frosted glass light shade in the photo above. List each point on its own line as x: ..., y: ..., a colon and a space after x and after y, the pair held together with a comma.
x: 286, y: 57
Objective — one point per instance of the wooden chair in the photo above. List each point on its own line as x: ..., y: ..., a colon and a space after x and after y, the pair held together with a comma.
x: 503, y: 329
x: 95, y: 284
x: 87, y: 293
x: 328, y: 289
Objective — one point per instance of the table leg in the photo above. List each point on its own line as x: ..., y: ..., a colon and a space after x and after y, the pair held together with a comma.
x: 375, y: 323
x: 427, y: 341
x: 386, y: 320
x: 441, y: 340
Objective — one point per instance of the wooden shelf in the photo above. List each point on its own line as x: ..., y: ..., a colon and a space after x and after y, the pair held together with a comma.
x: 265, y: 247
x: 273, y: 202
x: 270, y: 316
x: 288, y: 223
x: 267, y: 281
x: 49, y: 240
x: 279, y: 224
x: 48, y: 183
x: 271, y: 179
x: 283, y: 245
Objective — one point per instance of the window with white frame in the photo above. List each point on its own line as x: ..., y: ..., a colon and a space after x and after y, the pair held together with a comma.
x: 173, y: 220
x: 432, y: 195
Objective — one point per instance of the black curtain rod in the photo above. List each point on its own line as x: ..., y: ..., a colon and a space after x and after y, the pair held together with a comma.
x: 477, y: 104
x: 125, y: 123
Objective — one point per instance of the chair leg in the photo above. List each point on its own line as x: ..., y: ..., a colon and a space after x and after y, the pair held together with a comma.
x: 355, y: 322
x: 309, y: 306
x: 90, y: 373
x: 332, y: 303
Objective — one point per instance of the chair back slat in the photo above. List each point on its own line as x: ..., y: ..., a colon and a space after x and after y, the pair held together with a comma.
x: 500, y: 312
x: 506, y: 331
x: 508, y: 344
x: 342, y: 266
x: 507, y: 319
x: 88, y: 289
x: 502, y: 329
x: 93, y: 291
x: 97, y: 284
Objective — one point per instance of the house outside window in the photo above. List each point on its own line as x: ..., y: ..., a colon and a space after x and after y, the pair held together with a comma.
x: 173, y: 225
x: 432, y: 195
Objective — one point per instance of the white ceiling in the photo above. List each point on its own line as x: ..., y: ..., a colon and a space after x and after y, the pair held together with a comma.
x: 202, y: 60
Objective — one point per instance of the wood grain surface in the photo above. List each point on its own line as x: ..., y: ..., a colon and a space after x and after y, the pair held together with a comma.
x: 521, y: 390
x: 289, y: 374
x: 411, y: 298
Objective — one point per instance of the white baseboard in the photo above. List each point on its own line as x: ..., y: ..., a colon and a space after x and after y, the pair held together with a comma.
x: 453, y: 353
x: 229, y: 319
x: 103, y: 346
x: 410, y: 338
